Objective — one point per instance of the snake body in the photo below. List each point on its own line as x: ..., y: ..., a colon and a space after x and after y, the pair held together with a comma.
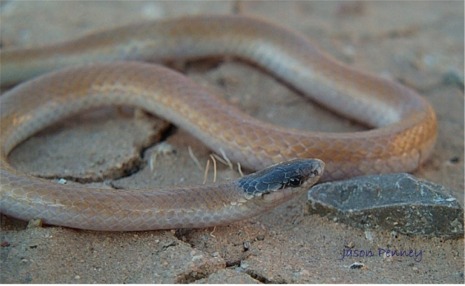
x: 91, y: 73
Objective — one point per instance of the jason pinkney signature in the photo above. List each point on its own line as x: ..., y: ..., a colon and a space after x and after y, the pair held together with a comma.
x: 417, y: 255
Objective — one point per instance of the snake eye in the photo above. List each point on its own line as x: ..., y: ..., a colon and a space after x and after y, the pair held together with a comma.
x: 294, y: 182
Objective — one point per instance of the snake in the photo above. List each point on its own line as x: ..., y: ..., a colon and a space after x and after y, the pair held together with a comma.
x: 122, y: 66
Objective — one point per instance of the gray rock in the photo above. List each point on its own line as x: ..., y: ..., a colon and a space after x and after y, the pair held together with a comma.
x: 394, y: 202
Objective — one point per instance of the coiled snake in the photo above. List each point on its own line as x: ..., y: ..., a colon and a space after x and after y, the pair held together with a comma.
x: 100, y: 70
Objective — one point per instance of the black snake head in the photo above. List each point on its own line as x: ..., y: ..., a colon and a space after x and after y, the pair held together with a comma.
x: 298, y: 173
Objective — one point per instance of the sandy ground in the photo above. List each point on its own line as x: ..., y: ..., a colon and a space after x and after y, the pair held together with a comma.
x: 417, y: 43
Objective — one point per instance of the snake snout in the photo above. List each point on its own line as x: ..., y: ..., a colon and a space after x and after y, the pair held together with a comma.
x: 309, y: 171
x: 319, y: 167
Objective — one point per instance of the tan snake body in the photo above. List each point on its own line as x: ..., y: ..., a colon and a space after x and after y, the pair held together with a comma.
x: 404, y: 136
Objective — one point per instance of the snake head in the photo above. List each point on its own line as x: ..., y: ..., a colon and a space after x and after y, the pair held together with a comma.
x: 295, y: 174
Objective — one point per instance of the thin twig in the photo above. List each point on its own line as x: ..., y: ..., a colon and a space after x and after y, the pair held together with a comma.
x: 220, y: 159
x: 211, y: 233
x: 194, y: 158
x: 205, y: 175
x: 214, y: 168
x: 239, y: 169
x: 226, y: 158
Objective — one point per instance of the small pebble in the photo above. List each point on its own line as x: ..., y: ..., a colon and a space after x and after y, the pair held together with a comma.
x: 357, y: 265
x: 351, y: 244
x: 244, y: 265
x: 246, y: 245
x: 196, y: 257
x: 33, y: 223
x: 369, y: 235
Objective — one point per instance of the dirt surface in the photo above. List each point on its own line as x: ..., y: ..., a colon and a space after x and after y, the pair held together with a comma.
x: 418, y: 43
